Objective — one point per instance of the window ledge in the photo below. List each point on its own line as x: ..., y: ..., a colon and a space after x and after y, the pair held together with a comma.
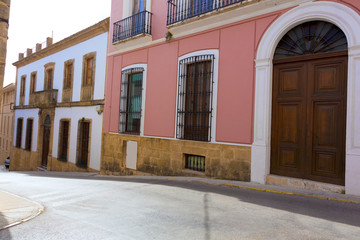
x: 133, y: 42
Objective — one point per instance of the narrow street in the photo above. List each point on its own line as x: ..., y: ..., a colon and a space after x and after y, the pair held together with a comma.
x: 85, y: 206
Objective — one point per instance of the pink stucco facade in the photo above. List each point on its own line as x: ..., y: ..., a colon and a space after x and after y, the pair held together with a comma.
x: 243, y: 39
x: 236, y: 43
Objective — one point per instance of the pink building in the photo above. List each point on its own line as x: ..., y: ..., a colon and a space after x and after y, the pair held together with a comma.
x: 261, y: 91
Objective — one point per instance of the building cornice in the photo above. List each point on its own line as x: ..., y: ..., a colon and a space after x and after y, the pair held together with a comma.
x: 86, y: 34
x: 10, y: 87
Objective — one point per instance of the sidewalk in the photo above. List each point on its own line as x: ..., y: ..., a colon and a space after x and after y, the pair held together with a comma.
x: 275, y: 189
x: 15, y: 210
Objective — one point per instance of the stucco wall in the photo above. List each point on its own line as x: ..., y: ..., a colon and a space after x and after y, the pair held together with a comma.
x: 76, y: 114
x: 25, y: 114
x: 76, y: 52
x: 237, y: 45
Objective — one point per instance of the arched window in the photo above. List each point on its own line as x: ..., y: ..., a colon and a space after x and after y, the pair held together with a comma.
x: 47, y: 120
x: 311, y: 38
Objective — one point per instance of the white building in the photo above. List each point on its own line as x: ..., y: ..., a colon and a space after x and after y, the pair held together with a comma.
x: 59, y: 103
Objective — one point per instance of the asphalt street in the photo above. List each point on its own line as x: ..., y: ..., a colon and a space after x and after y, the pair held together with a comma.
x: 85, y: 206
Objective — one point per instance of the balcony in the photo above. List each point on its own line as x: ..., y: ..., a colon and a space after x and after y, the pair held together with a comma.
x: 43, y: 98
x: 180, y: 10
x: 136, y: 25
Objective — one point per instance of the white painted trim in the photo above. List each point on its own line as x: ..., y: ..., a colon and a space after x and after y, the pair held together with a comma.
x: 128, y: 5
x: 349, y: 22
x: 143, y: 96
x: 214, y: 52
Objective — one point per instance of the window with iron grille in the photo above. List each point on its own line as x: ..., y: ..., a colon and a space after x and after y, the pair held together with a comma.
x: 29, y: 130
x: 130, y: 101
x: 19, y: 132
x: 63, y: 140
x: 195, y: 94
x: 194, y: 162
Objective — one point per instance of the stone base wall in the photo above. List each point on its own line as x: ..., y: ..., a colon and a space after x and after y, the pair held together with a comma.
x: 167, y: 157
x: 22, y: 160
x: 60, y: 166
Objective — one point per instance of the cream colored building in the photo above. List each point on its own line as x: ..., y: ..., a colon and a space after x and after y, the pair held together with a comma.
x: 6, y: 120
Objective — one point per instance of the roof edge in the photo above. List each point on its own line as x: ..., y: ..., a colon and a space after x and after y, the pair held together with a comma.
x: 81, y: 36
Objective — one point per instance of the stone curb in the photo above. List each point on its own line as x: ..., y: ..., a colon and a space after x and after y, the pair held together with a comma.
x: 285, y: 190
x: 280, y: 192
x: 41, y: 209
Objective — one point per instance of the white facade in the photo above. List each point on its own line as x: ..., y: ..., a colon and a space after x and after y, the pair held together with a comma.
x: 25, y: 115
x: 97, y: 46
x: 76, y: 114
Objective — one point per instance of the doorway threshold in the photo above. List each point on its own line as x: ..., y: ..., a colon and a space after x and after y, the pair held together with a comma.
x: 303, y: 184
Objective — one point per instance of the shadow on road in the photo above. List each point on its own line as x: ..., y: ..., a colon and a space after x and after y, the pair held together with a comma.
x: 5, y: 233
x: 342, y: 212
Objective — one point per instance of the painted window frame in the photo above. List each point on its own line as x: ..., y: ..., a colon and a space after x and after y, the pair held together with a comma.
x: 215, y: 53
x: 29, y: 134
x: 87, y: 90
x: 68, y: 90
x: 19, y: 132
x: 128, y: 8
x: 67, y: 79
x: 124, y: 75
x: 79, y: 145
x: 61, y: 140
x: 47, y: 68
x: 22, y: 85
x: 33, y: 78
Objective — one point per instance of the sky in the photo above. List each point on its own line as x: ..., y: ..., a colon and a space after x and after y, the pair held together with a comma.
x: 32, y: 21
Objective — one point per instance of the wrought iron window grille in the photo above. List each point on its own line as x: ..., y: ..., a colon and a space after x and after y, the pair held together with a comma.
x: 195, y: 98
x: 180, y: 10
x: 139, y: 23
x: 194, y: 162
x: 130, y: 101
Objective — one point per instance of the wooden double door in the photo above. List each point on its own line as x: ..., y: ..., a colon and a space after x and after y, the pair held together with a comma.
x: 309, y: 117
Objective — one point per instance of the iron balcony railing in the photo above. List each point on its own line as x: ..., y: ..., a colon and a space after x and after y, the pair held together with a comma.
x: 139, y: 23
x: 180, y: 10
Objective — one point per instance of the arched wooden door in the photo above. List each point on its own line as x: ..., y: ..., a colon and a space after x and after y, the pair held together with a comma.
x: 46, y: 141
x: 309, y: 104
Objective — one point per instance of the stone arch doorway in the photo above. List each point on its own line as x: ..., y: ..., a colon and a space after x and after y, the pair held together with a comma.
x: 348, y: 21
x: 45, y: 141
x: 309, y: 103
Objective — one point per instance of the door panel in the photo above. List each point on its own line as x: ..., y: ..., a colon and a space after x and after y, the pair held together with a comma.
x: 45, y: 145
x: 288, y: 110
x: 326, y: 79
x: 308, y: 119
x: 290, y: 81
